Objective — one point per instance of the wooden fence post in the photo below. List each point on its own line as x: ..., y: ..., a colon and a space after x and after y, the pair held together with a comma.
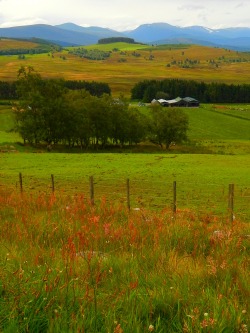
x: 91, y: 188
x: 128, y: 194
x: 52, y: 183
x: 21, y: 182
x: 174, y: 197
x: 231, y: 202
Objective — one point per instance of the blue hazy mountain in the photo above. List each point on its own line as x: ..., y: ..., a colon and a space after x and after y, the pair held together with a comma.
x: 155, y: 33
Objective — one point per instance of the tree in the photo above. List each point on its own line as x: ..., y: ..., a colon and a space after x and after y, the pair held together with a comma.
x: 29, y: 118
x: 137, y: 126
x: 119, y: 120
x: 162, y: 94
x: 40, y: 112
x: 167, y: 125
x: 80, y: 126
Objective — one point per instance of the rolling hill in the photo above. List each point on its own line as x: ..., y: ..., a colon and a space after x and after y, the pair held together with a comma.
x: 156, y: 33
x: 54, y: 34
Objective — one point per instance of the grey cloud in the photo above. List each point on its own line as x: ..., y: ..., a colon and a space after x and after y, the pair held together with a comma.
x: 191, y: 7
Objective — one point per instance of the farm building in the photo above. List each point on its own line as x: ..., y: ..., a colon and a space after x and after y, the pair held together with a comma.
x: 178, y: 101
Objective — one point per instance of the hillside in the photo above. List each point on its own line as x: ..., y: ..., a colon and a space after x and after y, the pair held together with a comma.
x: 129, y: 63
x: 56, y: 35
x: 11, y: 46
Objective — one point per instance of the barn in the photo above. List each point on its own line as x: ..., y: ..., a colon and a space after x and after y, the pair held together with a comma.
x: 191, y: 102
x: 178, y: 101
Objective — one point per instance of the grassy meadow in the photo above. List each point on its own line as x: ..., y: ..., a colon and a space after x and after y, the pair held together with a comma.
x: 68, y: 265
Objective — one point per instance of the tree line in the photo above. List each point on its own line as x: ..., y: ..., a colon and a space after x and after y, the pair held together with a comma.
x: 23, y: 51
x: 205, y: 92
x: 8, y: 90
x: 49, y: 113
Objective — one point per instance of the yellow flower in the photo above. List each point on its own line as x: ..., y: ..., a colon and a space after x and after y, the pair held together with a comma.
x: 151, y: 328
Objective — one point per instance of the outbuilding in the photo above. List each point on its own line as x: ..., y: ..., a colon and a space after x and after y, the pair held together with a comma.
x: 178, y: 101
x: 191, y: 102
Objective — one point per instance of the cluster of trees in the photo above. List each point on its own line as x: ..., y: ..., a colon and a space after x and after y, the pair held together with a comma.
x: 205, y: 92
x: 116, y: 40
x: 48, y: 112
x: 90, y: 54
x: 8, y: 90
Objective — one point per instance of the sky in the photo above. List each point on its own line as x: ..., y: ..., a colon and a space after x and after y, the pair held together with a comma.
x: 124, y: 15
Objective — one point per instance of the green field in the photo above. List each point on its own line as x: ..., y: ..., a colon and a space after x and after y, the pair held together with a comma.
x: 221, y: 133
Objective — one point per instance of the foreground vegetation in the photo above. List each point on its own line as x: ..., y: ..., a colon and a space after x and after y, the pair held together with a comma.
x: 67, y: 266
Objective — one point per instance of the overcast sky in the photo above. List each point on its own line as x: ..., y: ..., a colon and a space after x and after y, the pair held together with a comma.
x: 126, y: 14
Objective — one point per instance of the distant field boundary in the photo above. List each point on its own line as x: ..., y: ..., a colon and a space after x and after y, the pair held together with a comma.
x: 231, y: 201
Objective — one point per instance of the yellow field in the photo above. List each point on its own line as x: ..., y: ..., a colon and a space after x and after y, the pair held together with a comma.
x: 123, y: 69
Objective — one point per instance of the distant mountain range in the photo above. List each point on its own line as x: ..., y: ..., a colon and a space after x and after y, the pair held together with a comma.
x: 70, y: 34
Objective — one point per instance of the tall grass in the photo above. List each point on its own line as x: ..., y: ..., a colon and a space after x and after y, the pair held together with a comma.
x: 68, y: 266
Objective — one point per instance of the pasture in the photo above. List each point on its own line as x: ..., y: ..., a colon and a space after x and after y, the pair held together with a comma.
x: 217, y: 155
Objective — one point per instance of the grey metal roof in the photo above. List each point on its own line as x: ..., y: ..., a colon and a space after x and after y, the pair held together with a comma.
x: 189, y: 99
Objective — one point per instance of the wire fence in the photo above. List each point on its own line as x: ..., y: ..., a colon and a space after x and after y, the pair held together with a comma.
x: 230, y: 200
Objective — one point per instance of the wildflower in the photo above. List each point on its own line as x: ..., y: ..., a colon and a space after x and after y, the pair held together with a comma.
x: 151, y: 328
x: 205, y: 314
x: 118, y: 329
x: 243, y: 329
x: 244, y: 311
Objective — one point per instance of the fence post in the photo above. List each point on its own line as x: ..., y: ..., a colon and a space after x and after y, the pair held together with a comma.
x: 91, y: 187
x: 231, y: 202
x: 53, y: 183
x: 128, y: 194
x: 174, y: 197
x: 21, y: 182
